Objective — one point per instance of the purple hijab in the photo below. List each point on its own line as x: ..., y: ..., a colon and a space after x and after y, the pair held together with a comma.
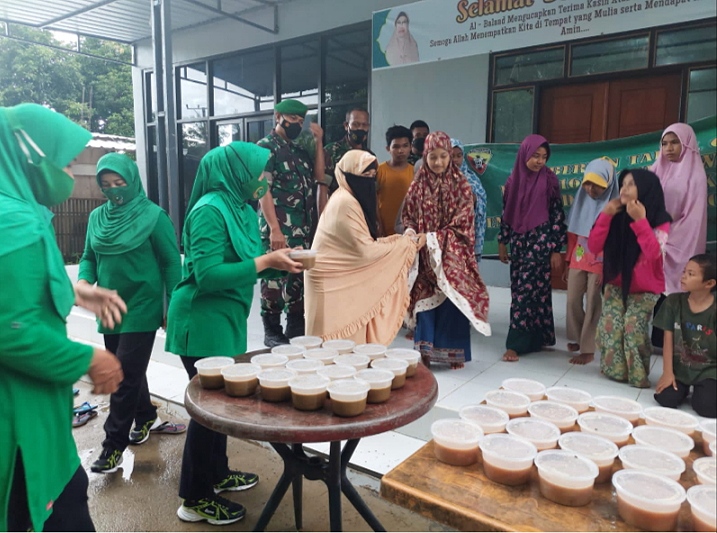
x: 526, y: 200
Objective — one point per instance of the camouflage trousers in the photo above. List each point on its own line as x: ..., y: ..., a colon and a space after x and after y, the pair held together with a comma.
x: 281, y: 294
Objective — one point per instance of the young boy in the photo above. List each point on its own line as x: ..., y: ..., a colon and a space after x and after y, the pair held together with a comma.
x: 688, y: 319
x: 393, y: 177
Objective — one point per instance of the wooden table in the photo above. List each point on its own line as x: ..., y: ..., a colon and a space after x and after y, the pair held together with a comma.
x: 464, y: 498
x: 286, y: 429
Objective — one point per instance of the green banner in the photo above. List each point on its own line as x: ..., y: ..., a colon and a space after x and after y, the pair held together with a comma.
x: 494, y: 163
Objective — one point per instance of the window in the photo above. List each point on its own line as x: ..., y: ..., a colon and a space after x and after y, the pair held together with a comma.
x: 616, y: 55
x: 150, y: 95
x: 193, y: 91
x: 153, y: 176
x: 686, y: 46
x: 347, y: 66
x: 244, y: 83
x: 229, y: 132
x: 512, y: 115
x: 300, y: 72
x: 195, y: 143
x: 702, y: 96
x: 543, y: 65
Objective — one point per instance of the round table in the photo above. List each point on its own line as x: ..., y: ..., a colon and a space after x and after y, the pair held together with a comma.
x: 286, y: 429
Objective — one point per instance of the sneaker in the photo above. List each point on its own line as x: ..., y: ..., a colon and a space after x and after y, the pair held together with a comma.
x: 236, y: 481
x: 109, y: 461
x: 217, y: 511
x: 140, y: 434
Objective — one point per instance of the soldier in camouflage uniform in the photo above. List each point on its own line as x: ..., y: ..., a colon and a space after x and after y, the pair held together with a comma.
x: 287, y: 215
x: 357, y: 126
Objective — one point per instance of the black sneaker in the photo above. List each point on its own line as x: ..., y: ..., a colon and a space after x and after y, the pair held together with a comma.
x: 236, y: 481
x: 140, y: 434
x: 217, y: 511
x: 109, y: 461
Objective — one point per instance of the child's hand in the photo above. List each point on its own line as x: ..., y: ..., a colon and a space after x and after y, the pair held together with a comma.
x: 556, y: 262
x: 666, y: 380
x: 636, y: 210
x: 613, y: 207
x: 503, y: 253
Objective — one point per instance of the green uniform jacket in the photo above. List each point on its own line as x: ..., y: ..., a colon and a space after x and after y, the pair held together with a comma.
x: 141, y: 277
x: 38, y: 365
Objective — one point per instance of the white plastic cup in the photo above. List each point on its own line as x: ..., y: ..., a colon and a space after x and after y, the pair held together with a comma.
x: 307, y: 341
x: 560, y: 414
x: 412, y: 357
x: 647, y: 500
x: 566, y: 478
x: 507, y: 459
x: 671, y: 418
x: 241, y: 379
x: 210, y: 371
x: 341, y: 346
x: 534, y: 390
x: 269, y: 360
x: 306, y: 257
x: 348, y: 396
x: 380, y: 381
x: 708, y: 427
x: 628, y: 409
x: 654, y: 460
x: 308, y: 392
x: 543, y: 434
x: 336, y: 372
x: 324, y: 355
x: 372, y: 350
x: 399, y: 368
x: 599, y: 450
x: 577, y: 399
x: 513, y: 403
x: 703, y: 505
x: 356, y: 360
x: 666, y: 439
x: 290, y: 351
x: 305, y: 366
x: 274, y: 384
x: 490, y: 419
x: 705, y: 468
x: 455, y: 442
x: 614, y: 428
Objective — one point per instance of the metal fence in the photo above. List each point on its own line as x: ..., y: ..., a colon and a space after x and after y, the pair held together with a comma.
x: 70, y: 223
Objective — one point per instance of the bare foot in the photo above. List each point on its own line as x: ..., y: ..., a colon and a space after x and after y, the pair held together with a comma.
x: 456, y: 366
x: 510, y: 356
x: 582, y: 359
x: 573, y: 347
x: 409, y: 335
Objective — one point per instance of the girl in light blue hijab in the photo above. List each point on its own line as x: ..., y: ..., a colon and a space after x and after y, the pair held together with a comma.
x: 478, y: 191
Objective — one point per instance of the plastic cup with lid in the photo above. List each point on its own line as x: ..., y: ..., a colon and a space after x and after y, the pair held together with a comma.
x: 341, y: 346
x: 708, y: 427
x: 380, y: 381
x: 666, y: 439
x: 274, y: 384
x: 324, y: 355
x: 397, y: 366
x: 356, y: 360
x: 455, y: 442
x: 703, y: 506
x: 269, y: 360
x: 305, y: 366
x: 614, y: 428
x: 651, y: 459
x: 566, y: 478
x: 671, y: 418
x: 560, y: 414
x: 334, y: 372
x: 648, y: 500
x: 534, y: 390
x: 306, y: 257
x: 543, y: 434
x: 290, y: 351
x: 599, y: 450
x: 617, y: 405
x: 412, y: 357
x: 507, y: 459
x: 348, y: 396
x: 372, y: 350
x: 241, y: 379
x: 307, y: 341
x: 576, y: 398
x: 513, y: 403
x: 705, y: 469
x: 490, y: 419
x: 210, y: 371
x: 308, y: 391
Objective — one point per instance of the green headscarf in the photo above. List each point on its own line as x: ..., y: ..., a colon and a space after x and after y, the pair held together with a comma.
x: 116, y: 228
x: 26, y: 186
x: 227, y: 178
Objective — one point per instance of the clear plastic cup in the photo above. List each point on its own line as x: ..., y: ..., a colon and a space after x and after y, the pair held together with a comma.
x: 356, y: 360
x: 708, y: 429
x: 649, y: 459
x: 455, y: 442
x: 713, y: 448
x: 666, y: 439
x: 507, y: 459
x: 274, y: 384
x: 308, y: 392
x: 341, y: 346
x: 348, y: 396
x: 399, y: 368
x: 703, y: 505
x: 490, y: 419
x: 305, y: 366
x: 543, y: 434
x: 380, y: 381
x: 372, y: 350
x: 617, y: 405
x: 291, y: 351
x: 240, y: 379
x: 599, y: 450
x: 324, y: 355
x: 305, y: 257
x: 671, y: 418
x: 577, y: 399
x: 269, y: 360
x: 648, y: 501
x: 614, y: 428
x: 412, y: 357
x: 513, y: 403
x: 534, y: 390
x: 307, y: 341
x: 566, y: 477
x: 210, y: 371
x: 705, y: 469
x: 560, y: 414
x: 334, y: 372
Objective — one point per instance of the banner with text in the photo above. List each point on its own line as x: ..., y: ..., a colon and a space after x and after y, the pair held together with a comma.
x: 494, y: 162
x: 433, y: 30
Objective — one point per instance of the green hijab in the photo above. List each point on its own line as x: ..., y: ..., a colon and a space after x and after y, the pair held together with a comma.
x: 129, y: 217
x: 227, y: 178
x: 29, y: 182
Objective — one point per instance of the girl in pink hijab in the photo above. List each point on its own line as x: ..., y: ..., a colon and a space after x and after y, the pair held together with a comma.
x: 684, y: 181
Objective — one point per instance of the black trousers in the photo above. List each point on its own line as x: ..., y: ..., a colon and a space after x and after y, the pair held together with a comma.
x: 131, y: 402
x: 658, y: 335
x: 704, y: 397
x: 70, y: 511
x: 204, y: 462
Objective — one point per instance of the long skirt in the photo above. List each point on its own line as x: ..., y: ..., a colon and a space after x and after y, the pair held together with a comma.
x: 443, y: 334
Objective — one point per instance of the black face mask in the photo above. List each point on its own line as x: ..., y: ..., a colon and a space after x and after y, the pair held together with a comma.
x: 292, y: 129
x: 418, y: 143
x: 358, y: 136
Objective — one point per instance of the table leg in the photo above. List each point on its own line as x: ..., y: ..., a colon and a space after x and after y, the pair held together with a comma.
x: 350, y: 492
x: 333, y: 483
x: 287, y: 476
x: 298, y: 487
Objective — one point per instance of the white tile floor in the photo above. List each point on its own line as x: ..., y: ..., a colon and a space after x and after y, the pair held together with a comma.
x: 457, y: 388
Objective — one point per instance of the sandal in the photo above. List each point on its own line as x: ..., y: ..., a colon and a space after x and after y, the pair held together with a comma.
x: 80, y: 419
x: 84, y: 408
x: 169, y: 428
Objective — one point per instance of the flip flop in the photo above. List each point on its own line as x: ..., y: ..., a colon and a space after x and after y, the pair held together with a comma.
x: 80, y: 419
x: 84, y: 408
x: 169, y: 428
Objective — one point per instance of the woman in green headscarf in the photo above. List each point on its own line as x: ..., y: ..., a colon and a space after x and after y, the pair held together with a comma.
x: 42, y: 485
x: 131, y: 247
x: 210, y: 306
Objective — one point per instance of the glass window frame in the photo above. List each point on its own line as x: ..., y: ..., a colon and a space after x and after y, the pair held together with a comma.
x: 707, y: 66
x: 526, y: 52
x: 619, y: 37
x: 491, y: 117
x: 662, y: 31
